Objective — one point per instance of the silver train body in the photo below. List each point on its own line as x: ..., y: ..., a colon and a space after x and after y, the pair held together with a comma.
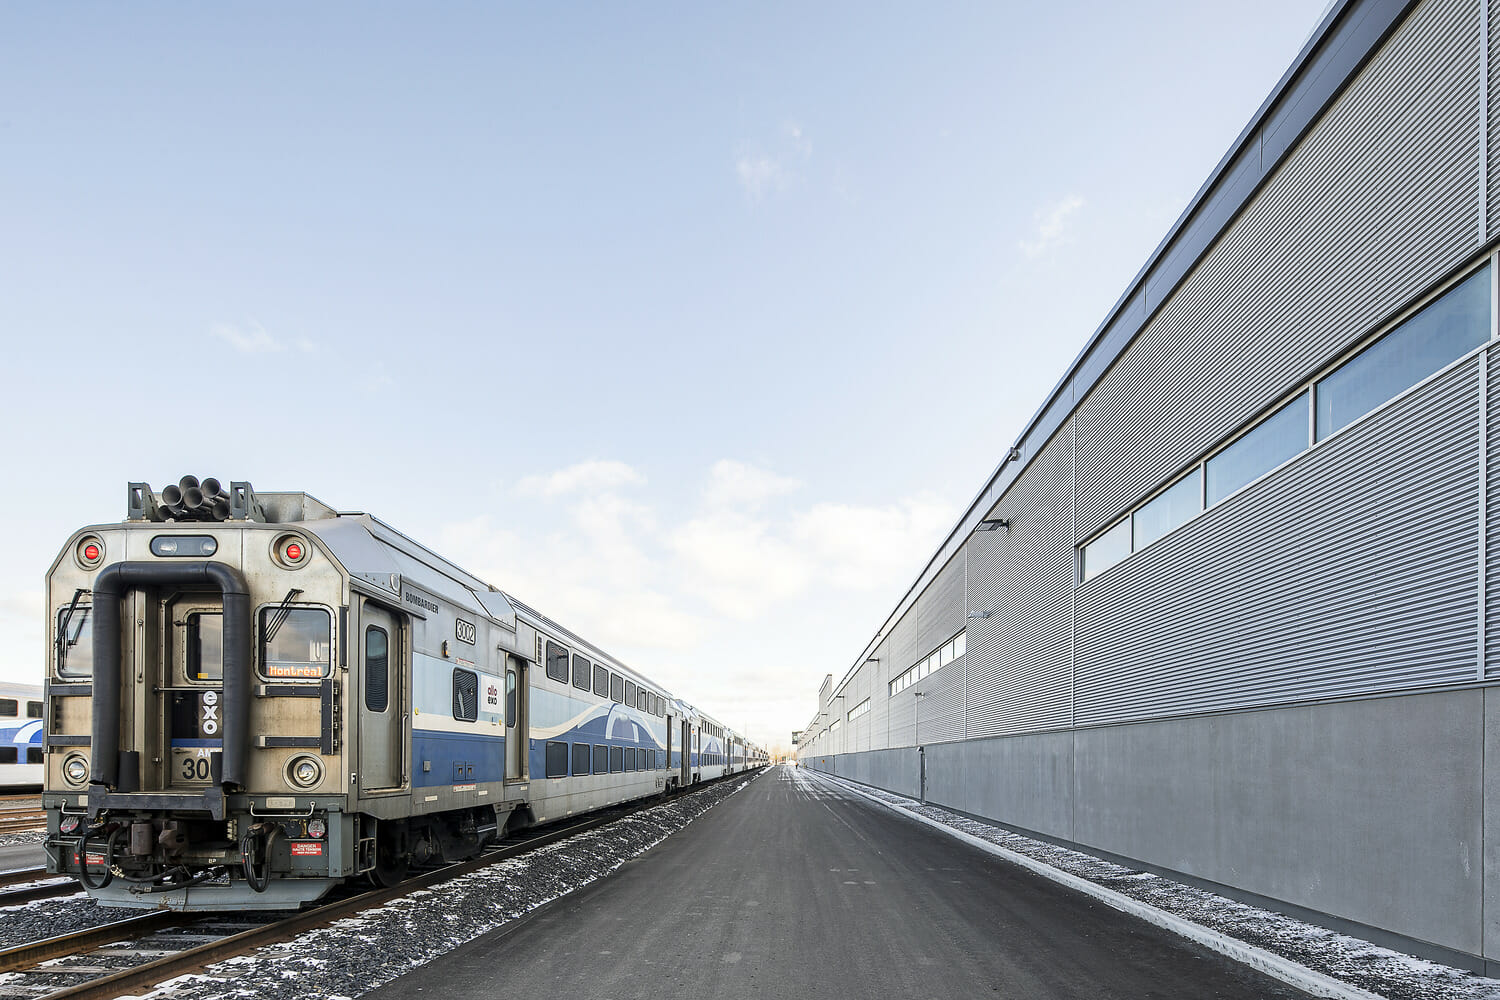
x: 251, y: 699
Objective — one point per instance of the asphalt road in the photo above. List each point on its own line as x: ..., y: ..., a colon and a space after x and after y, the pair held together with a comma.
x: 22, y: 856
x: 793, y: 888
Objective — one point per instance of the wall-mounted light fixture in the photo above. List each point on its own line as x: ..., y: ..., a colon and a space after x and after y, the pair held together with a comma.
x: 993, y: 524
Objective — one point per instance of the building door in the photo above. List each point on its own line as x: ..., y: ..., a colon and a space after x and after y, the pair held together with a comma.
x: 382, y: 711
x: 516, y: 738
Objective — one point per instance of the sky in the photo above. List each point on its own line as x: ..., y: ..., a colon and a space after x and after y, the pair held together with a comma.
x: 694, y: 326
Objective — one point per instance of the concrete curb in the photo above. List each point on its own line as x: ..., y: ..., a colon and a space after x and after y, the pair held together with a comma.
x: 1289, y: 972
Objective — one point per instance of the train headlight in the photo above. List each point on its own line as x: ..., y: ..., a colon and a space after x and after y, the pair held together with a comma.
x: 75, y: 769
x: 304, y: 771
x: 90, y: 551
x: 316, y: 828
x: 290, y: 551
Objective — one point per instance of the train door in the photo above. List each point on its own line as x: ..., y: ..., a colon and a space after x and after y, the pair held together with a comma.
x: 194, y: 688
x: 382, y: 714
x: 686, y: 776
x: 516, y: 728
x: 670, y: 720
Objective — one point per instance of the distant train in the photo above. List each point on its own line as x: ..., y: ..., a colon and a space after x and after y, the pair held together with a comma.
x: 251, y: 699
x: 20, y: 737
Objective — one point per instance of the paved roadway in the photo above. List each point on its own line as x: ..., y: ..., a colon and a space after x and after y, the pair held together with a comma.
x: 794, y: 888
x: 22, y: 856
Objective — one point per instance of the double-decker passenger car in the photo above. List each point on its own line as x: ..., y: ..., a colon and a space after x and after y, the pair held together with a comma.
x: 20, y: 737
x: 252, y: 698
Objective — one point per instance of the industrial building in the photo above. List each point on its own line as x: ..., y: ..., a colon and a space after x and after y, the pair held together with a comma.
x: 1224, y: 609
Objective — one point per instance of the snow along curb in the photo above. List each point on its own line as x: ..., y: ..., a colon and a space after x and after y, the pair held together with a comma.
x: 1284, y: 969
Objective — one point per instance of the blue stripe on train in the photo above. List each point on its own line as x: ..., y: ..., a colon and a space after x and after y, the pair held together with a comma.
x: 440, y: 758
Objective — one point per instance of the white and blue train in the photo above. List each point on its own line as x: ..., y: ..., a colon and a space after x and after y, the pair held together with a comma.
x: 251, y: 699
x: 20, y: 737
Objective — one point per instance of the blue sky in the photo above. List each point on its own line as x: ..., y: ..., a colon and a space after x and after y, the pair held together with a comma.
x: 694, y: 326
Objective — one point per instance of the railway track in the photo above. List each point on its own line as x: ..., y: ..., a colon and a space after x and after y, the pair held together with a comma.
x: 131, y: 956
x: 21, y: 814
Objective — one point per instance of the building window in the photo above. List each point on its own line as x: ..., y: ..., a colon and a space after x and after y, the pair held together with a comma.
x: 1277, y: 439
x: 1443, y: 331
x: 1106, y: 550
x: 1168, y: 509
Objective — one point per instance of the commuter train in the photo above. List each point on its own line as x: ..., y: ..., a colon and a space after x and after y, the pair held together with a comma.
x: 20, y: 737
x: 253, y: 698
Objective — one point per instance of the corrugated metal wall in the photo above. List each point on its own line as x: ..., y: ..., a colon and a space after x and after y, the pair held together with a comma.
x: 1021, y: 590
x: 1307, y: 270
x: 1310, y: 266
x: 1353, y: 571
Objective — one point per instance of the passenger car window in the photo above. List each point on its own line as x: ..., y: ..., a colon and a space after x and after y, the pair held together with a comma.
x: 581, y: 673
x: 557, y: 662
x: 377, y: 669
x: 465, y: 695
x: 299, y: 645
x: 75, y: 630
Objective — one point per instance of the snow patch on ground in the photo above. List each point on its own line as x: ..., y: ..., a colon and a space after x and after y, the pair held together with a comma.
x: 1381, y: 971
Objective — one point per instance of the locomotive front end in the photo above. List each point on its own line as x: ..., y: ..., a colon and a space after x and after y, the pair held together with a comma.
x: 193, y: 705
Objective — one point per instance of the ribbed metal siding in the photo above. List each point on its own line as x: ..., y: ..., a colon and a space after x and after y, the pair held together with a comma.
x: 1376, y: 202
x: 1492, y: 521
x: 1351, y: 571
x: 1019, y: 656
x: 941, y: 709
x: 1492, y: 131
x: 939, y: 610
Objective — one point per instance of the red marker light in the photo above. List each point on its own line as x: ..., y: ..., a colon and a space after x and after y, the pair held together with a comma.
x: 294, y: 552
x: 91, y: 552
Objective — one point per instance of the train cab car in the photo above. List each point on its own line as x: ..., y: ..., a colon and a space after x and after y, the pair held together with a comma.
x: 252, y: 698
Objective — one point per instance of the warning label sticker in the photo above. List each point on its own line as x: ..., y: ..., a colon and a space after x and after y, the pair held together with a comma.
x: 307, y: 848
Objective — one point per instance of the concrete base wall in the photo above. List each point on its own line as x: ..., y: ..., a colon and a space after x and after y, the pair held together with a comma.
x: 1370, y: 812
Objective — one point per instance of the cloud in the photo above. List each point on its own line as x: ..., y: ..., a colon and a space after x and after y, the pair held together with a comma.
x: 25, y: 606
x: 735, y: 484
x: 763, y: 173
x: 760, y: 175
x: 585, y: 476
x: 872, y: 548
x: 738, y: 565
x: 1051, y: 227
x: 252, y: 338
